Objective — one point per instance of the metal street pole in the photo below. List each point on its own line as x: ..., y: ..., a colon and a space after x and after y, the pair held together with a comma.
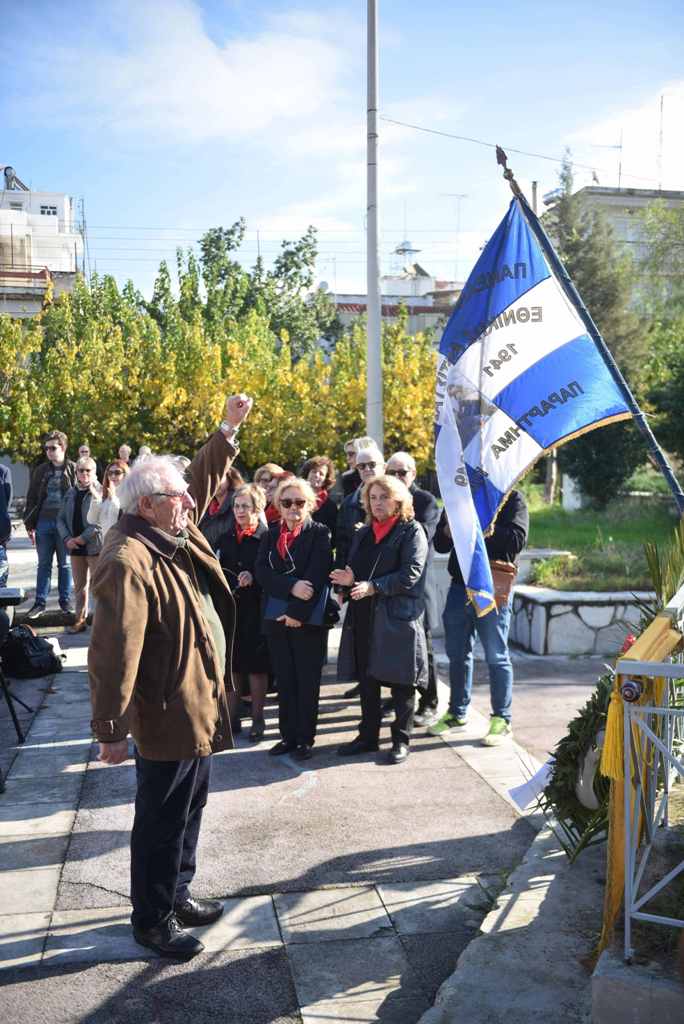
x: 374, y: 416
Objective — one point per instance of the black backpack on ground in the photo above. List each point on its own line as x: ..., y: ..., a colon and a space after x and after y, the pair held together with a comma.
x: 27, y: 656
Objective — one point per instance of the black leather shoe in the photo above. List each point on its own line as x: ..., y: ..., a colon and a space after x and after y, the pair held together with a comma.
x: 398, y: 753
x: 257, y: 730
x: 303, y: 752
x: 354, y: 692
x: 169, y: 939
x: 282, y: 747
x: 357, y: 746
x: 192, y: 913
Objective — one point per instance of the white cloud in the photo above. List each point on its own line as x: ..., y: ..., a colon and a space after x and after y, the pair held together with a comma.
x: 161, y: 78
x: 639, y: 127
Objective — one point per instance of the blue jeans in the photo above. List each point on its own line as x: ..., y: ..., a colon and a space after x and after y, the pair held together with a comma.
x: 4, y: 566
x: 460, y: 624
x: 48, y: 544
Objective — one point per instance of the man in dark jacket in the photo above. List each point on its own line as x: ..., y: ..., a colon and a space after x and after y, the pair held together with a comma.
x: 49, y: 483
x: 159, y: 666
x: 403, y: 466
x: 5, y: 522
x: 460, y: 624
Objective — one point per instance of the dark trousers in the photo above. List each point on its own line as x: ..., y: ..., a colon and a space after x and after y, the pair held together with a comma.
x: 429, y: 699
x: 169, y: 801
x: 297, y: 659
x: 403, y: 698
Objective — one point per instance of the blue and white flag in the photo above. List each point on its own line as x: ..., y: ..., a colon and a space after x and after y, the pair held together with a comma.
x: 518, y: 374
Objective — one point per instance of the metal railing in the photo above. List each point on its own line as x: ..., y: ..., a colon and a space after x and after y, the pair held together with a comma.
x: 653, y: 763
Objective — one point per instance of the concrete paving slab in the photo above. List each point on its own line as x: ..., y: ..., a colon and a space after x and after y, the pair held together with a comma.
x: 30, y: 891
x: 328, y: 914
x: 41, y: 761
x: 25, y: 792
x: 370, y: 972
x: 434, y: 957
x: 22, y: 937
x: 50, y: 728
x: 393, y: 1009
x: 44, y: 819
x: 237, y: 987
x: 18, y: 853
x: 79, y: 711
x: 423, y: 907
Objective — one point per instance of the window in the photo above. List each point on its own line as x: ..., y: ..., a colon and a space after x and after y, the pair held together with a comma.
x: 49, y: 211
x: 16, y: 206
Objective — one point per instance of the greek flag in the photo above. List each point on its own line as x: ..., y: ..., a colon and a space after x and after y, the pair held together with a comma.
x: 518, y: 373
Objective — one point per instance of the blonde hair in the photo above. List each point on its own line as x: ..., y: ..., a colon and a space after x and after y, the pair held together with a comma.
x: 85, y: 462
x: 269, y: 469
x: 397, y: 490
x: 304, y: 488
x: 255, y: 492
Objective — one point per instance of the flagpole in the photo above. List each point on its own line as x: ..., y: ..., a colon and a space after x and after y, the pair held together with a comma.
x: 374, y: 413
x: 655, y: 452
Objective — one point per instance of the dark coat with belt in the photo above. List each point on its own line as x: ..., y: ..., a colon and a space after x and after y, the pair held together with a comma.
x: 153, y: 665
x: 310, y: 560
x: 427, y: 514
x: 37, y: 492
x: 249, y: 652
x: 398, y: 651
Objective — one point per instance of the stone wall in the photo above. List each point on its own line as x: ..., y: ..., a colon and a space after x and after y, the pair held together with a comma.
x: 559, y: 622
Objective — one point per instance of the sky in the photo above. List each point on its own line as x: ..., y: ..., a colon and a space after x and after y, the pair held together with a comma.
x: 168, y: 118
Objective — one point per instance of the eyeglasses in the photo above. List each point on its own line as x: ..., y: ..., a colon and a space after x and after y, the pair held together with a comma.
x: 115, y: 472
x: 242, y: 508
x: 366, y: 465
x: 289, y: 502
x: 170, y: 494
x: 397, y: 472
x: 84, y: 470
x: 52, y: 447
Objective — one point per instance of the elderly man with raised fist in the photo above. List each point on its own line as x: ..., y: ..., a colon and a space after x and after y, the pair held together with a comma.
x: 159, y: 666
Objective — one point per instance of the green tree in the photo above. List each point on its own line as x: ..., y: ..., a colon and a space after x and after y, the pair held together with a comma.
x: 663, y: 266
x: 605, y: 279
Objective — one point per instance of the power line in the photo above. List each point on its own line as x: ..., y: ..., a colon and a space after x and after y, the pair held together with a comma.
x: 509, y: 149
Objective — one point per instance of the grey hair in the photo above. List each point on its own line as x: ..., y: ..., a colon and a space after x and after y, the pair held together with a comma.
x: 148, y: 476
x: 364, y: 442
x: 406, y: 457
x: 371, y: 450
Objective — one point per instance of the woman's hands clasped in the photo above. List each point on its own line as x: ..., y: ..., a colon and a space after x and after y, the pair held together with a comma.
x: 303, y: 590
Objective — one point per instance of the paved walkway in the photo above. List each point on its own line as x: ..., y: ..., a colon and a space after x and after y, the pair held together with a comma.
x: 351, y: 887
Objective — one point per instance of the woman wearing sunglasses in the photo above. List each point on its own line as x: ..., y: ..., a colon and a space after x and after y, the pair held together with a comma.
x: 237, y: 552
x: 383, y: 640
x: 105, y: 511
x: 81, y: 538
x: 292, y: 567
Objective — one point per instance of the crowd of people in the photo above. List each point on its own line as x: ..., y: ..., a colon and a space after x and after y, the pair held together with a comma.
x: 211, y: 590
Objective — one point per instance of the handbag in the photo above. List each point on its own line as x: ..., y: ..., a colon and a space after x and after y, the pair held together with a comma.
x: 277, y: 606
x: 503, y: 577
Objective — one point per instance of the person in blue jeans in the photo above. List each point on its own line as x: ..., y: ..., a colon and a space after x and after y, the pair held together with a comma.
x: 461, y: 624
x: 49, y: 483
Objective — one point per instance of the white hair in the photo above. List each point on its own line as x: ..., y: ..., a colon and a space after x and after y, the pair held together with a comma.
x: 406, y: 457
x: 149, y: 476
x: 374, y: 452
x: 364, y: 442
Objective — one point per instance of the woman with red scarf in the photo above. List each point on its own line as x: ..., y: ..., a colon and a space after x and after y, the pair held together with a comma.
x: 292, y: 568
x: 320, y: 473
x: 269, y: 476
x: 237, y: 553
x: 383, y: 638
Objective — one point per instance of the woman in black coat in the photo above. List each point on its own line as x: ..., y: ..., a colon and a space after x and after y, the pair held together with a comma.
x: 237, y: 553
x: 383, y: 639
x: 320, y: 473
x: 292, y: 568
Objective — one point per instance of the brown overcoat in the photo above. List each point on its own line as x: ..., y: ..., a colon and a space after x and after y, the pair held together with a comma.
x: 153, y: 667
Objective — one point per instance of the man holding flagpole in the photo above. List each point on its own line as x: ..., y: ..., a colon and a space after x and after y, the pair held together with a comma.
x: 461, y: 623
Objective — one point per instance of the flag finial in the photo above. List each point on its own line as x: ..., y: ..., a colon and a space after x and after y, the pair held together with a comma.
x: 502, y: 159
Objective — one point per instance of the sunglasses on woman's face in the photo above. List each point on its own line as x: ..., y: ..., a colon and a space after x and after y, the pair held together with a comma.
x: 289, y: 502
x: 115, y: 472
